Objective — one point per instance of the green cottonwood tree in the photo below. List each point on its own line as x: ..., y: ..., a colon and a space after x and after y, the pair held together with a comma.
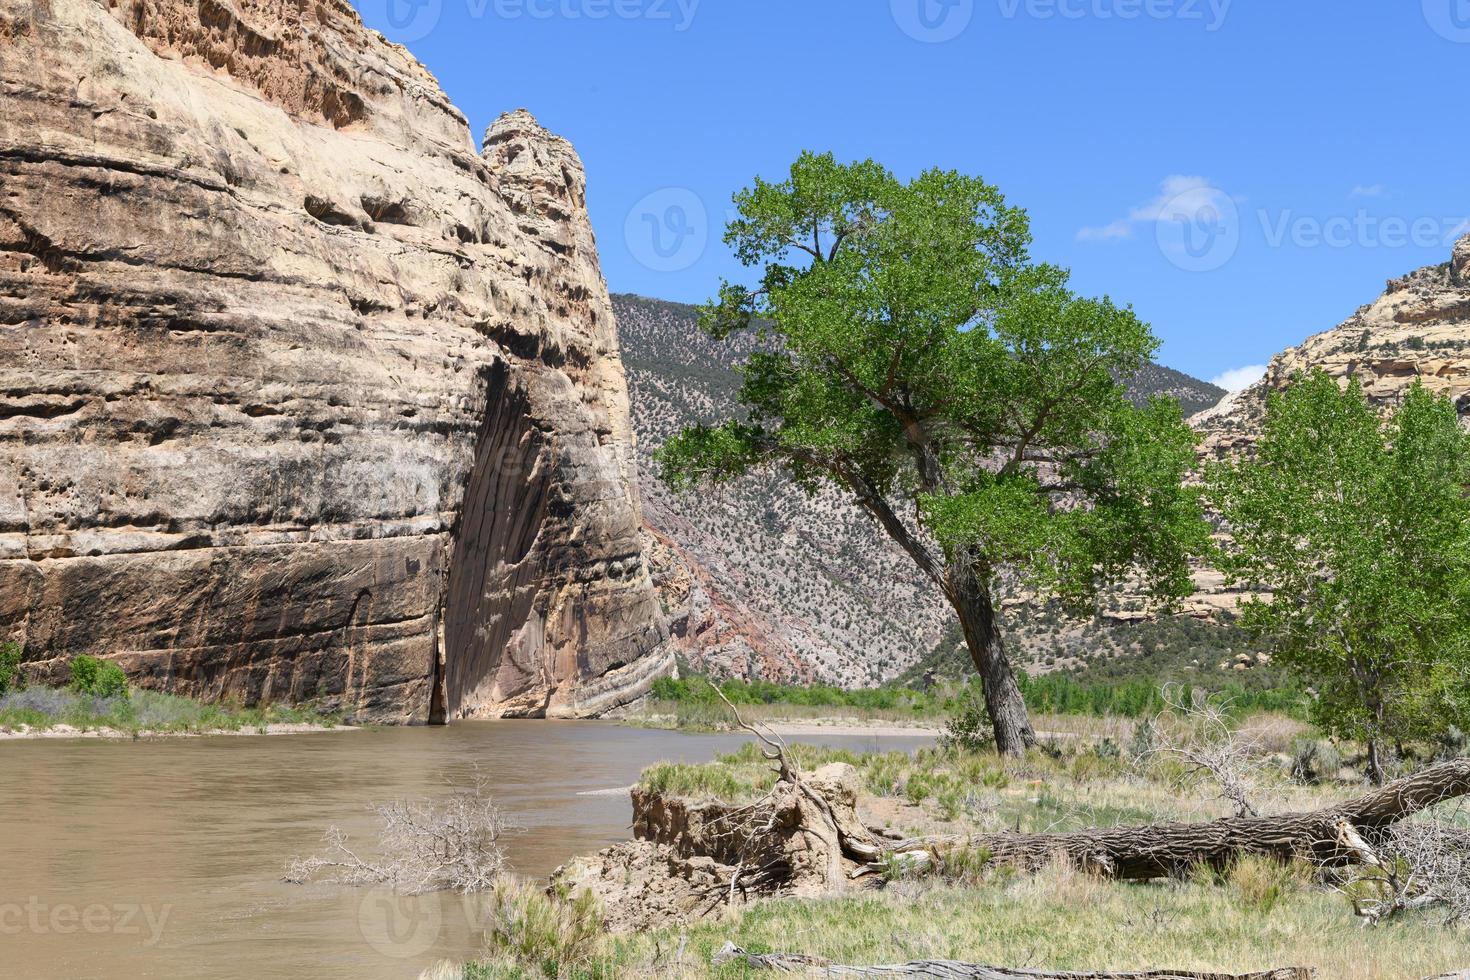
x: 1357, y: 532
x: 915, y: 357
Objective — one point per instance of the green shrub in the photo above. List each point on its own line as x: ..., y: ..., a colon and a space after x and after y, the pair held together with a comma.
x: 10, y: 678
x: 99, y: 678
x: 969, y: 728
x: 1314, y: 761
x: 694, y: 781
x: 556, y: 934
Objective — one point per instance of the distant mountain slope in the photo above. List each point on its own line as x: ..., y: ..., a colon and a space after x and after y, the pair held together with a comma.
x: 763, y: 581
x: 1192, y: 394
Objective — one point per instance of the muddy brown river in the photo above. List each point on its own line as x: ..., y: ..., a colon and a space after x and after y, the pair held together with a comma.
x: 124, y: 860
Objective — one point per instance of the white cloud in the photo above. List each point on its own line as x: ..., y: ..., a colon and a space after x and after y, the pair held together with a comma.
x: 1105, y: 233
x: 1178, y: 196
x: 1240, y: 378
x: 1368, y: 190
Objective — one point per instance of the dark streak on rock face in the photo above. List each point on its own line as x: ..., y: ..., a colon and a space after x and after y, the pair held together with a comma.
x: 301, y: 397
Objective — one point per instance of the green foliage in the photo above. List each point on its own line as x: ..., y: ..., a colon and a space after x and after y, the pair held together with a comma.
x: 555, y: 935
x: 968, y: 724
x: 1141, y: 697
x: 699, y: 690
x: 9, y: 667
x: 1314, y: 761
x: 914, y: 339
x: 143, y: 711
x: 1357, y: 532
x: 99, y: 678
x: 695, y: 781
x: 968, y: 728
x: 912, y: 351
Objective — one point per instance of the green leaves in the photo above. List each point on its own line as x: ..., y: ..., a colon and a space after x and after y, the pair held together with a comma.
x: 911, y: 352
x: 705, y: 454
x: 1356, y: 530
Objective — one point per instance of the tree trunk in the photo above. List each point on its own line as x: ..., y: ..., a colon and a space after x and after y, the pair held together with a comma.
x: 1008, y: 717
x: 1330, y: 836
x: 1376, y: 774
x: 949, y: 970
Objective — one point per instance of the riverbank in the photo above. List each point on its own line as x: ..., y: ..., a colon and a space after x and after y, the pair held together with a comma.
x: 68, y: 731
x: 1254, y: 914
x: 1059, y: 704
x: 49, y: 713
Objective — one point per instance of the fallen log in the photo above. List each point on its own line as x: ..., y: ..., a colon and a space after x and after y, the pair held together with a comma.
x: 949, y: 970
x: 1331, y: 836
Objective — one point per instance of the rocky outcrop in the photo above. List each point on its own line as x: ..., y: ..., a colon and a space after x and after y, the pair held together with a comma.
x: 1418, y: 330
x: 302, y: 397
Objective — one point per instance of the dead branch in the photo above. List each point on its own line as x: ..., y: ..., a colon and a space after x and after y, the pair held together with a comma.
x: 1419, y: 864
x: 452, y: 844
x: 950, y: 970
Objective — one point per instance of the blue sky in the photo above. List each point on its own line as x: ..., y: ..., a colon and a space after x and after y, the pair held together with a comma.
x: 1243, y: 172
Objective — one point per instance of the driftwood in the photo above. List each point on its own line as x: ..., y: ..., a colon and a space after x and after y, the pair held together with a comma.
x: 1332, y: 836
x: 948, y: 970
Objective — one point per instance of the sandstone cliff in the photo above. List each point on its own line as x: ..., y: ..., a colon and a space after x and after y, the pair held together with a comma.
x: 301, y: 397
x: 1419, y: 329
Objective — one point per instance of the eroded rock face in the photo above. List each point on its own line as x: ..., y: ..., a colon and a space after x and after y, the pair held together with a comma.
x: 690, y: 859
x: 301, y: 397
x: 1418, y: 330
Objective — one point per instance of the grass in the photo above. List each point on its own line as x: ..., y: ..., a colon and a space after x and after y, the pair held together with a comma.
x: 1256, y: 918
x: 141, y: 712
x: 691, y: 704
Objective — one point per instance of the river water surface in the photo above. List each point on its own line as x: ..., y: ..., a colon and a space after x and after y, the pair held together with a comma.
x: 163, y: 858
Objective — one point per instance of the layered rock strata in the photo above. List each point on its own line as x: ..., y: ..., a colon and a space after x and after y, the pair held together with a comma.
x: 302, y: 398
x: 1418, y: 330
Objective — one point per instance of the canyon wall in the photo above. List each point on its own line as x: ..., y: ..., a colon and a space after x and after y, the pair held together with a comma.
x: 1418, y: 330
x: 302, y: 398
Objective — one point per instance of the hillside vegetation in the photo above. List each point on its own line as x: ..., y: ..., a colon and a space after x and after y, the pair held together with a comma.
x: 808, y: 589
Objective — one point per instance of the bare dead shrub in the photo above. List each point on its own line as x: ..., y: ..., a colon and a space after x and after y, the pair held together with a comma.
x: 453, y: 844
x: 1422, y: 863
x: 1197, y: 732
